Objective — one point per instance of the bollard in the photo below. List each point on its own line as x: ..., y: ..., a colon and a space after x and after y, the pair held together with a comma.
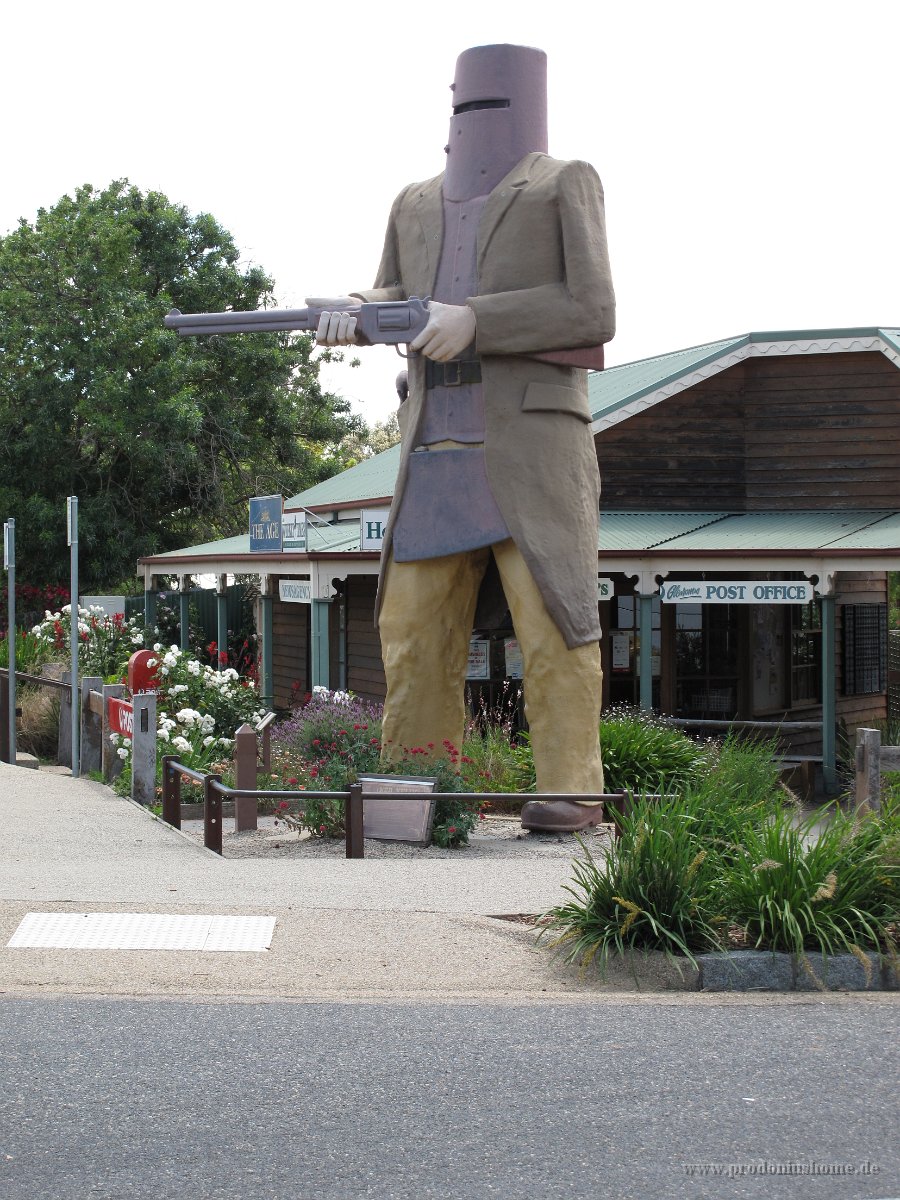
x: 245, y: 810
x: 171, y: 798
x: 143, y: 749
x: 868, y: 770
x: 353, y: 822
x: 212, y: 814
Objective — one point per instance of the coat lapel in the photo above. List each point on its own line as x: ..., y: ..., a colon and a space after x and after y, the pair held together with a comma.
x: 500, y: 199
x: 429, y: 209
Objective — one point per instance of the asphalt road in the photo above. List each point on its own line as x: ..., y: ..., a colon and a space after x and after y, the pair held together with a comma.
x: 650, y: 1097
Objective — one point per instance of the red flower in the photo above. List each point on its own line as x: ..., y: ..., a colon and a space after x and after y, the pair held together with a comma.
x: 284, y: 803
x: 290, y: 781
x: 313, y: 772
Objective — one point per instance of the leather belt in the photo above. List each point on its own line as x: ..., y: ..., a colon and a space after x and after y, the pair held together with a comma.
x: 456, y: 373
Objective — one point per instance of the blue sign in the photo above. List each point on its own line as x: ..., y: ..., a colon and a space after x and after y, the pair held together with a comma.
x: 265, y: 523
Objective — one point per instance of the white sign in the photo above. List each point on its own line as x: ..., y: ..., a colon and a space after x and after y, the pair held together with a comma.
x: 479, y: 659
x: 621, y: 651
x: 295, y: 591
x: 605, y: 589
x: 515, y: 663
x: 293, y: 531
x: 372, y: 524
x: 745, y: 591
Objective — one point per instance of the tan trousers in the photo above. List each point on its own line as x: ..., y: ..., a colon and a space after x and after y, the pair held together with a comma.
x: 426, y: 622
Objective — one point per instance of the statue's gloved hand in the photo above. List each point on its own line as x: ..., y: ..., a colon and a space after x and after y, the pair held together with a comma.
x: 450, y: 328
x: 337, y: 326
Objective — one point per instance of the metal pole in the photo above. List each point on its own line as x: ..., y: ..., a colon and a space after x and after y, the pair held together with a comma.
x: 646, y: 652
x: 184, y: 612
x: 829, y: 694
x: 9, y: 562
x: 72, y: 515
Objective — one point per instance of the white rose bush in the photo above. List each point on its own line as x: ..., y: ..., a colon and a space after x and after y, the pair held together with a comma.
x: 199, y: 709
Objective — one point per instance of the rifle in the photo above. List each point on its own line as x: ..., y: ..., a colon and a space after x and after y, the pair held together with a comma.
x: 382, y: 323
x: 386, y: 323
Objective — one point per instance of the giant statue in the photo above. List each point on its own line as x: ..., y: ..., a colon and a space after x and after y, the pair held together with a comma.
x: 496, y: 275
x: 498, y: 486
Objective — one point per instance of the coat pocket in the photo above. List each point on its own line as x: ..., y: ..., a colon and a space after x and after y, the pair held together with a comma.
x: 554, y: 397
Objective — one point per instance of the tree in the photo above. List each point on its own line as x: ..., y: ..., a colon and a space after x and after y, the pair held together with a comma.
x: 369, y: 441
x: 163, y: 439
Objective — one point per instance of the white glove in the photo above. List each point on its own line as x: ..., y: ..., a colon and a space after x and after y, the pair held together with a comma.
x: 335, y: 328
x: 450, y: 329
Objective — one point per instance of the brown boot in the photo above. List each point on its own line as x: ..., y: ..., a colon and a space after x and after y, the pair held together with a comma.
x: 560, y: 816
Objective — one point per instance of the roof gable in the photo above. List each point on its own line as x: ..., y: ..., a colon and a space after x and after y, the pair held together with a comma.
x: 620, y: 392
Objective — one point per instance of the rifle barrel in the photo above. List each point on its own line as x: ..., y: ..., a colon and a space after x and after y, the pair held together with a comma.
x: 263, y: 320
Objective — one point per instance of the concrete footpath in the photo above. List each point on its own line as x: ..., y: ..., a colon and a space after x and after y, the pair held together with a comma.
x: 352, y: 929
x: 380, y: 927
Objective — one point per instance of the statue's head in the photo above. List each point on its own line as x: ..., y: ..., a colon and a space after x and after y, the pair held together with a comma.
x: 499, y: 116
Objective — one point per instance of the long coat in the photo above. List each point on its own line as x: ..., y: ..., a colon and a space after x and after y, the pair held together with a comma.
x: 543, y: 284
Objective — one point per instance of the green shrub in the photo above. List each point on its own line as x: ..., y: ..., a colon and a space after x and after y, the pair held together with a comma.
x: 835, y: 892
x: 653, y: 890
x: 641, y: 753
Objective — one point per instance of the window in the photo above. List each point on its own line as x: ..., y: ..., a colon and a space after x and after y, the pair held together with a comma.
x: 706, y: 657
x: 865, y: 649
x: 806, y: 653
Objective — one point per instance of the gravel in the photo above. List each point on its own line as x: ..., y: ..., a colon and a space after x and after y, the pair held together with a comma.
x: 495, y: 837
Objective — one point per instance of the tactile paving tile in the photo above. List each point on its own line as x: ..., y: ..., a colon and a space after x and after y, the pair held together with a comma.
x: 142, y: 931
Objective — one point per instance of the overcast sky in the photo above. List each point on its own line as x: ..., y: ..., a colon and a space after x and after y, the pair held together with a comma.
x: 747, y: 150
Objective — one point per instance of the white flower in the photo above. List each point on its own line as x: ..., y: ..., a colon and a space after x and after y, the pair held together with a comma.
x: 318, y: 688
x: 181, y: 744
x: 177, y: 688
x: 114, y: 739
x: 157, y: 646
x: 151, y: 662
x: 137, y: 639
x: 163, y: 734
x: 122, y: 753
x: 226, y: 742
x: 126, y: 741
x: 188, y: 717
x: 193, y: 667
x: 207, y: 723
x: 209, y: 741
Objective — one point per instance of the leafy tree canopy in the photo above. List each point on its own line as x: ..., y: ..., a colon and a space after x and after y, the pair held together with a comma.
x: 163, y: 439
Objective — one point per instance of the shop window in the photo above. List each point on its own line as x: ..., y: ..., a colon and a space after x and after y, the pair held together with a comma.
x: 706, y: 658
x: 622, y: 662
x: 865, y: 649
x: 806, y: 653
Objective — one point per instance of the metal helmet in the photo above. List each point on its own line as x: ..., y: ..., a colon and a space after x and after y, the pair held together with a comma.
x: 499, y: 116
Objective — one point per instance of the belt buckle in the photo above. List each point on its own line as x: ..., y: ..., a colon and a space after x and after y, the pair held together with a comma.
x: 453, y: 373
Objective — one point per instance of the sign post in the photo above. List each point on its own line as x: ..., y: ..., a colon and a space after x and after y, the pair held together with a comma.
x: 72, y: 523
x: 9, y: 564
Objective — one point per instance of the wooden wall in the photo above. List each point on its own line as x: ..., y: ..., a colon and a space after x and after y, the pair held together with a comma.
x: 365, y: 671
x: 802, y: 431
x: 290, y: 651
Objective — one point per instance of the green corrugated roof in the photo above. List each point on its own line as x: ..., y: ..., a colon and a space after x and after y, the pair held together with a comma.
x: 232, y: 545
x: 709, y: 533
x: 616, y: 386
x: 623, y: 533
x: 372, y: 479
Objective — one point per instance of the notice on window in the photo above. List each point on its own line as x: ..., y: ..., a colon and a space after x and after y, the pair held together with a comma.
x: 479, y: 659
x: 515, y: 664
x: 621, y: 652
